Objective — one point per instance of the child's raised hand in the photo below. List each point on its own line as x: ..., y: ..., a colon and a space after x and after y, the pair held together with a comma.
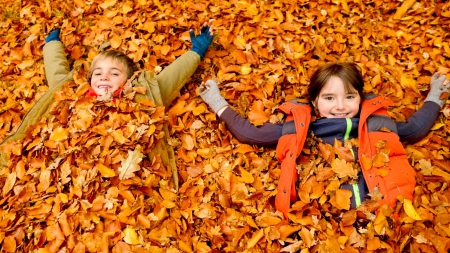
x: 201, y: 43
x: 210, y: 93
x: 439, y: 89
x: 53, y: 36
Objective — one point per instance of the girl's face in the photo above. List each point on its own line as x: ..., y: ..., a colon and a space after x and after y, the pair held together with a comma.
x: 334, y: 101
x: 108, y: 76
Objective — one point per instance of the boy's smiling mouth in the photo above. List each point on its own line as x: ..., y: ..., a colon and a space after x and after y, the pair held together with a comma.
x: 104, y: 86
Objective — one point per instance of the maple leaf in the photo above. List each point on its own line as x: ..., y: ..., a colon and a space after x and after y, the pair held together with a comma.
x: 131, y: 163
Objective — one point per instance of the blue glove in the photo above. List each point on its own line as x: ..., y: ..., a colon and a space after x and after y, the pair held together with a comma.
x: 53, y: 36
x: 201, y: 43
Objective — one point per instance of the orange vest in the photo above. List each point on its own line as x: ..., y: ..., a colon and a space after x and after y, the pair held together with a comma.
x: 392, y: 177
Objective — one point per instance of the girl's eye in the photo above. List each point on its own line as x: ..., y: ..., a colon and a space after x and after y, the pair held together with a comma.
x: 351, y: 96
x: 328, y: 98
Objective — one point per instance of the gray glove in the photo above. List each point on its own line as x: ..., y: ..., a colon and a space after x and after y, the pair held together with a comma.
x: 210, y: 93
x: 437, y: 88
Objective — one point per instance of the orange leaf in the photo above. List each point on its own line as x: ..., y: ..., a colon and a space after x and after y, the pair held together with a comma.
x: 115, y: 42
x: 257, y: 115
x: 380, y: 159
x: 341, y: 199
x: 9, y: 244
x: 343, y: 169
x: 76, y: 52
x: 165, y: 49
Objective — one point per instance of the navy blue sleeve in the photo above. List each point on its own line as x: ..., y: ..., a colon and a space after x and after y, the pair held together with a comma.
x: 419, y: 123
x: 243, y: 130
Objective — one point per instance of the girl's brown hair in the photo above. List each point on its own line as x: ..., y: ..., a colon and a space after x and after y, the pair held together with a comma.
x: 117, y: 56
x: 350, y: 73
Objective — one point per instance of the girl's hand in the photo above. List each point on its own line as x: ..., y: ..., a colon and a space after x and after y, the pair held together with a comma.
x: 210, y: 93
x: 439, y: 89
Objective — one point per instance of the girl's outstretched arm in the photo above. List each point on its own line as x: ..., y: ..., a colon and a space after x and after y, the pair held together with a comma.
x: 421, y: 121
x: 265, y: 135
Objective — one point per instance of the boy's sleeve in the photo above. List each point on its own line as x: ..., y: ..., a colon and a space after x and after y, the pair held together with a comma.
x: 55, y: 62
x: 174, y: 76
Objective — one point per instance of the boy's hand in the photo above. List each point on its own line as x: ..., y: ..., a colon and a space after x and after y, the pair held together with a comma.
x: 53, y: 36
x: 201, y: 43
x: 439, y: 86
x: 210, y: 93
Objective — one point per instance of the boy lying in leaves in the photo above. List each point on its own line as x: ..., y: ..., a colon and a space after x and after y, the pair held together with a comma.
x: 109, y: 72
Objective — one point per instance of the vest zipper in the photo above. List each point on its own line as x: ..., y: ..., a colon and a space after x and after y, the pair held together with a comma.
x: 354, y: 186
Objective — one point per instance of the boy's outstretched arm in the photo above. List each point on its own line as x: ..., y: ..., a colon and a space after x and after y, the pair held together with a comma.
x: 174, y: 76
x: 55, y: 61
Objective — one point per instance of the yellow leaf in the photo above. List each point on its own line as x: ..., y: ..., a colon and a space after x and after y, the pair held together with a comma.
x: 107, y: 3
x: 10, y: 181
x: 130, y: 236
x: 409, y: 210
x: 379, y: 223
x: 401, y: 11
x: 59, y: 134
x: 105, y: 171
x: 437, y: 126
x: 246, y: 69
x: 246, y: 177
x: 408, y: 83
x: 243, y: 148
x: 255, y: 238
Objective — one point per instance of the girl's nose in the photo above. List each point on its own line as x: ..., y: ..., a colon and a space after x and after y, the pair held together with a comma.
x: 339, y: 104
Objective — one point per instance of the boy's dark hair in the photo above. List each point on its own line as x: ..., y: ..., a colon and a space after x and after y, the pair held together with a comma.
x: 128, y: 63
x: 350, y: 73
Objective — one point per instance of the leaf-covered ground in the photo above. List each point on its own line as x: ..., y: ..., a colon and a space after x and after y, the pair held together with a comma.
x: 81, y: 182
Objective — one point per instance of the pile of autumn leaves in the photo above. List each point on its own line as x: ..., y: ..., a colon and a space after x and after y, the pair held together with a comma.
x: 82, y: 181
x: 81, y: 177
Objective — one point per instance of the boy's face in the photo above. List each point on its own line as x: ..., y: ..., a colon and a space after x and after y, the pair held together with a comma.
x: 334, y: 101
x: 108, y: 76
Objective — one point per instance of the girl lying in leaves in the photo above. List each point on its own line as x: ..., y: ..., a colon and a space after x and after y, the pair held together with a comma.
x: 109, y: 73
x: 343, y: 113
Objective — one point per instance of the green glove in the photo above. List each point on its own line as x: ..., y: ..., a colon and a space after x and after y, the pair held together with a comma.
x: 437, y: 88
x: 210, y: 93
